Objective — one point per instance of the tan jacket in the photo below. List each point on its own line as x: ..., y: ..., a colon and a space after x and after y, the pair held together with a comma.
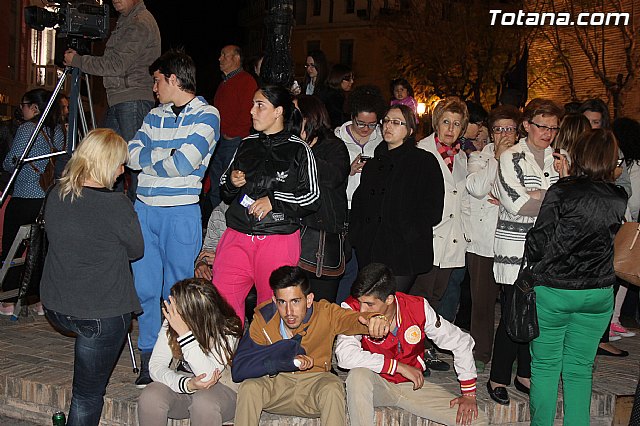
x: 323, y: 323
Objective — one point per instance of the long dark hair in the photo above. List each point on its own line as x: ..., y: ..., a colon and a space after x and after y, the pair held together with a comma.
x: 321, y: 66
x: 209, y: 317
x: 278, y: 96
x: 315, y: 116
x: 41, y: 97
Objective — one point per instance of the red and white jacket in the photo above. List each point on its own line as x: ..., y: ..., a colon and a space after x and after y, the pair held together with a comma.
x: 415, y: 320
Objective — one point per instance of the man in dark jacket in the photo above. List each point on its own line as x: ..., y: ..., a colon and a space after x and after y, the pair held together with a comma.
x: 132, y: 47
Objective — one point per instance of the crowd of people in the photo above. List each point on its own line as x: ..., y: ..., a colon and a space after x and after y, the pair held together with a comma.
x: 348, y: 227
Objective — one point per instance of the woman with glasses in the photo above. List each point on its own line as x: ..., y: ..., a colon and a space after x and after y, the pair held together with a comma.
x: 526, y: 171
x: 482, y: 167
x: 338, y: 85
x: 450, y: 118
x: 361, y: 135
x: 399, y: 200
x: 27, y: 194
x: 316, y: 73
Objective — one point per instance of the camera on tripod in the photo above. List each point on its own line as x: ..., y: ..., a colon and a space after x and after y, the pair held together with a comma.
x: 76, y: 25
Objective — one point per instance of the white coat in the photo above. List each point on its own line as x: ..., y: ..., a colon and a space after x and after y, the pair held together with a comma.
x: 449, y: 241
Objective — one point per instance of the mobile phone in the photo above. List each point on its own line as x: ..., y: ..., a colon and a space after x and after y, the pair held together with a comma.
x: 364, y: 158
x: 619, y: 162
x: 556, y: 151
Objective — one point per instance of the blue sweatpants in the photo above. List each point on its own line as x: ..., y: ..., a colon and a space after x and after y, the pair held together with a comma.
x: 172, y: 240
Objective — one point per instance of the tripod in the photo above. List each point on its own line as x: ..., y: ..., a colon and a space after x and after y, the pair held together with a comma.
x: 76, y: 110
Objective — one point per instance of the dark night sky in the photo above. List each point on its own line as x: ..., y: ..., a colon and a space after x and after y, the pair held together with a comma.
x: 202, y: 27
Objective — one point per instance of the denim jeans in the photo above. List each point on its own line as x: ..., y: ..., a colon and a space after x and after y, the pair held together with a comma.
x: 126, y: 119
x: 448, y: 307
x: 224, y: 152
x: 98, y: 345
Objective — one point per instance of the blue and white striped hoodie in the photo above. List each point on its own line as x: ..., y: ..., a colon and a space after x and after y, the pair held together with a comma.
x: 173, y: 152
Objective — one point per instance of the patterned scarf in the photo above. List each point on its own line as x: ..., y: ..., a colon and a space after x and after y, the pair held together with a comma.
x: 448, y: 152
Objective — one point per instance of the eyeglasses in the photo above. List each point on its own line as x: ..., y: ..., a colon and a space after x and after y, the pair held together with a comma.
x: 348, y: 78
x: 393, y: 122
x: 361, y: 125
x: 25, y: 103
x: 505, y: 129
x: 310, y: 65
x: 545, y: 128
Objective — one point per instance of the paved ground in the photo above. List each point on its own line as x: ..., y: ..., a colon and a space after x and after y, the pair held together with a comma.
x: 36, y: 365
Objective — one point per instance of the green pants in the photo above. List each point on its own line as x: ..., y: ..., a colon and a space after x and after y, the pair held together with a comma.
x: 571, y: 325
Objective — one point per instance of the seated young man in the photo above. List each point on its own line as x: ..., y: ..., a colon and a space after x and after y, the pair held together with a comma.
x: 388, y: 371
x: 308, y: 389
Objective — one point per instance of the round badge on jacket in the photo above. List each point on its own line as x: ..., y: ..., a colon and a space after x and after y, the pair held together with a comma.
x: 413, y: 334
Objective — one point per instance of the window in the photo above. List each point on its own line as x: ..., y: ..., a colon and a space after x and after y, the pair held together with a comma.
x: 351, y: 6
x: 313, y: 45
x: 317, y: 7
x: 300, y: 12
x: 346, y: 52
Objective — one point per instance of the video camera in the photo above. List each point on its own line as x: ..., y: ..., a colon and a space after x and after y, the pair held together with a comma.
x: 77, y: 24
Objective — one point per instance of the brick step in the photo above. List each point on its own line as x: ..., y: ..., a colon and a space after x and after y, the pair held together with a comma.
x: 25, y: 397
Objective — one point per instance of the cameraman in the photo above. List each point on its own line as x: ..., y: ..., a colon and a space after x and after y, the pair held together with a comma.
x: 133, y: 45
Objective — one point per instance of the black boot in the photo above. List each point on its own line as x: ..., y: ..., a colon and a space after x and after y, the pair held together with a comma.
x: 433, y: 362
x: 144, y: 378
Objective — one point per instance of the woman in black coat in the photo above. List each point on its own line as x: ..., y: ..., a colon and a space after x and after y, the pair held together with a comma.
x: 332, y: 161
x: 399, y: 200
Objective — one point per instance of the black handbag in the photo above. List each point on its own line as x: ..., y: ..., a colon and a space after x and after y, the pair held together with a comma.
x: 322, y: 252
x: 520, y: 310
x: 37, y: 247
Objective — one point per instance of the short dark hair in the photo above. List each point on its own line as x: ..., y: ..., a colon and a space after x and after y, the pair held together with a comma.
x: 543, y: 107
x: 315, y: 116
x: 400, y: 82
x: 477, y: 114
x: 504, y: 112
x: 375, y: 279
x: 597, y: 105
x: 595, y: 155
x: 367, y: 98
x: 338, y: 73
x: 289, y: 276
x: 176, y: 61
x: 409, y: 118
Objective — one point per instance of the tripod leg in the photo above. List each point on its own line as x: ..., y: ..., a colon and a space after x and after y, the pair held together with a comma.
x: 133, y: 357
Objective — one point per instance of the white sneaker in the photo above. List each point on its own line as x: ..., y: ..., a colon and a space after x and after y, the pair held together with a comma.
x: 613, y: 336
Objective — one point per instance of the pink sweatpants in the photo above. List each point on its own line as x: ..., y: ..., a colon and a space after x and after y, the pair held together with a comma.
x: 243, y: 260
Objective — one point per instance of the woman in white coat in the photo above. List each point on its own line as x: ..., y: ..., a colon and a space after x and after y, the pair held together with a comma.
x: 525, y: 173
x: 481, y: 227
x: 449, y: 243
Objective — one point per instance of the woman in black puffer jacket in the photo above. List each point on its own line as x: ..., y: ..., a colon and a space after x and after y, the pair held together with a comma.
x: 328, y: 223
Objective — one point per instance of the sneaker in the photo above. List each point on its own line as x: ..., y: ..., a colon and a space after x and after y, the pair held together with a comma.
x: 6, y: 309
x: 620, y: 331
x: 613, y: 336
x: 143, y: 380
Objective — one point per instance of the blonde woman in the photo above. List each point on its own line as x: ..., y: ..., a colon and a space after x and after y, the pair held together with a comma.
x: 202, y: 330
x: 87, y: 287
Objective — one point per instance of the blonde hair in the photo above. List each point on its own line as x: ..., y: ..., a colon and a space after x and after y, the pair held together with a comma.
x: 454, y: 105
x: 98, y: 157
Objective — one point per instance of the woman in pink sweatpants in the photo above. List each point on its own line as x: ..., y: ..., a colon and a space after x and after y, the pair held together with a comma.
x: 270, y: 184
